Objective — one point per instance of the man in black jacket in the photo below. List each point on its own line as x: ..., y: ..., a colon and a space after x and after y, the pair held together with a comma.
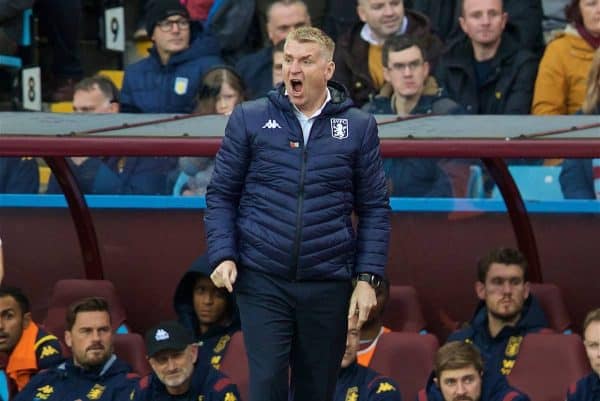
x: 488, y: 72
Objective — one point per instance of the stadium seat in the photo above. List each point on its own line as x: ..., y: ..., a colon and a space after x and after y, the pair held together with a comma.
x: 403, y: 310
x: 552, y: 302
x: 115, y: 75
x: 66, y: 292
x: 547, y: 364
x: 61, y: 107
x: 235, y: 364
x: 535, y: 182
x: 407, y: 358
x: 131, y: 348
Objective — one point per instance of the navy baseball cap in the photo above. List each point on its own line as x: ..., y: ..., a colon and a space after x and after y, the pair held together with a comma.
x: 169, y: 335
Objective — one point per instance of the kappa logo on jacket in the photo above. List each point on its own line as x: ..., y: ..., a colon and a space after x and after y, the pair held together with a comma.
x: 339, y: 128
x: 271, y: 124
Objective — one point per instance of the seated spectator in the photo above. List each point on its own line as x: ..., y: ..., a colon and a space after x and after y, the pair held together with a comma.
x: 256, y: 68
x: 19, y: 175
x: 29, y: 348
x: 357, y: 382
x: 167, y: 80
x: 561, y: 81
x: 488, y: 71
x: 176, y: 375
x: 220, y: 91
x: 358, y: 64
x: 93, y: 372
x: 580, y: 178
x: 210, y: 313
x: 524, y: 21
x: 587, y: 388
x: 459, y: 374
x: 114, y: 174
x: 317, y: 10
x: 278, y: 63
x: 506, y: 311
x: 413, y: 91
x: 229, y: 20
x: 373, y: 328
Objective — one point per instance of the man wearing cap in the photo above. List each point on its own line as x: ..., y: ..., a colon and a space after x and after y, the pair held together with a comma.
x: 167, y: 80
x: 173, y: 357
x: 94, y: 372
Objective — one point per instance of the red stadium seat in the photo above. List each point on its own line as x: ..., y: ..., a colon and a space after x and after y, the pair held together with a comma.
x: 547, y: 364
x: 66, y: 292
x: 407, y: 358
x: 235, y: 364
x: 131, y: 349
x: 553, y: 304
x: 403, y: 310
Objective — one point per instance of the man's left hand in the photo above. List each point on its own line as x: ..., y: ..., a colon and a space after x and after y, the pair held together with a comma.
x: 363, y: 299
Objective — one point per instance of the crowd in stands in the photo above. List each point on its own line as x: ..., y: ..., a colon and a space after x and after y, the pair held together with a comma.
x: 188, y: 358
x: 398, y: 57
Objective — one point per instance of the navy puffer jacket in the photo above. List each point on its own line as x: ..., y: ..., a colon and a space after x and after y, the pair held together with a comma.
x: 278, y: 206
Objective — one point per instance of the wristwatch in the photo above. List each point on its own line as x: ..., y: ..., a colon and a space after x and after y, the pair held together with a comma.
x: 370, y: 278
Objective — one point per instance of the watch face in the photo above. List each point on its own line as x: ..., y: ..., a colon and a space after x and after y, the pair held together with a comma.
x: 375, y: 281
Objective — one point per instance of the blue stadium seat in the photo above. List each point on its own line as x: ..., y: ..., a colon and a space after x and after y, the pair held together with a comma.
x: 535, y: 182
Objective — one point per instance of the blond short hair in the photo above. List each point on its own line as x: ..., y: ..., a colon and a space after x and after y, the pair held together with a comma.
x: 309, y: 34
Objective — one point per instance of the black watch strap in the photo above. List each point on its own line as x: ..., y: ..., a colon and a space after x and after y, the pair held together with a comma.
x: 370, y: 278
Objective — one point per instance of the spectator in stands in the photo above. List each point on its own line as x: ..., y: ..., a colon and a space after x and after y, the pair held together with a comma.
x: 19, y: 175
x: 588, y: 387
x: 220, y: 91
x: 373, y: 328
x: 580, y: 178
x: 357, y: 382
x: 506, y: 312
x: 93, y: 372
x: 61, y: 21
x: 229, y: 20
x: 29, y: 348
x: 114, y: 174
x: 459, y: 374
x: 488, y: 72
x: 413, y: 91
x: 560, y: 84
x: 358, y: 64
x: 277, y: 64
x: 317, y: 10
x: 210, y: 313
x: 524, y: 21
x: 176, y: 375
x: 167, y: 80
x: 256, y: 68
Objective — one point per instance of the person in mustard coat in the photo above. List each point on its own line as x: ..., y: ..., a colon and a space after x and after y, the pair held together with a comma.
x: 561, y: 80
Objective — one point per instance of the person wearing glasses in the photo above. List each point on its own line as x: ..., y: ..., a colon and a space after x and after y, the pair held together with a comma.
x: 115, y: 174
x: 409, y: 90
x: 588, y: 387
x: 167, y: 80
x: 488, y: 71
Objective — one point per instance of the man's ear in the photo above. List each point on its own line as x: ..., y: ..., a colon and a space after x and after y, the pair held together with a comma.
x: 480, y: 290
x: 26, y: 319
x: 68, y: 339
x: 194, y: 353
x: 462, y: 22
x: 330, y: 70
